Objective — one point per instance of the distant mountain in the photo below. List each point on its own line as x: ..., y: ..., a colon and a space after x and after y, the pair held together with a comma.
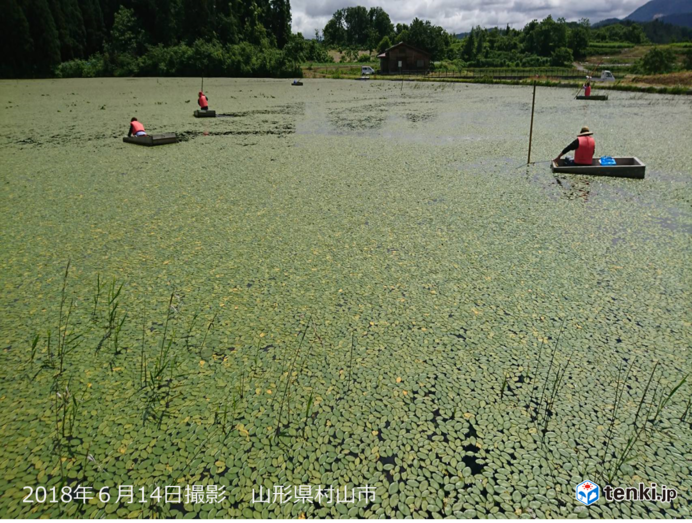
x: 660, y: 8
x: 683, y: 19
x: 675, y: 12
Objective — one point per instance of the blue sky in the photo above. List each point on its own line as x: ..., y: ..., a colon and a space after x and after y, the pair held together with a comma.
x: 458, y: 16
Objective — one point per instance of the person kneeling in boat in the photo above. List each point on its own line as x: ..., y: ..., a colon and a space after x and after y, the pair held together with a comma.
x: 587, y: 89
x: 203, y: 102
x: 136, y: 128
x: 584, y: 148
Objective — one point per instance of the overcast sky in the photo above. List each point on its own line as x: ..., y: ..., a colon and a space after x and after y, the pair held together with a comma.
x: 458, y: 16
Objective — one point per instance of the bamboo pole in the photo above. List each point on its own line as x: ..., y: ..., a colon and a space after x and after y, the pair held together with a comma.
x: 533, y: 105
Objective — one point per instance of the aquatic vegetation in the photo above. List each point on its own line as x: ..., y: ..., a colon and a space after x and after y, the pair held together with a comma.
x: 346, y: 284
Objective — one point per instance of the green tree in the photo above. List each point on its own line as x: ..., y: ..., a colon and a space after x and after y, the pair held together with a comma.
x: 165, y: 27
x: 295, y: 49
x: 126, y: 35
x: 687, y: 62
x: 70, y: 26
x: 334, y: 32
x: 315, y: 52
x: 43, y: 33
x: 280, y: 23
x: 428, y: 37
x: 93, y: 25
x: 468, y: 47
x: 126, y: 42
x: 380, y: 23
x: 578, y: 42
x: 545, y: 37
x: 357, y: 25
x: 16, y: 45
x: 384, y: 44
x: 561, y: 56
x: 635, y: 34
x: 196, y: 22
x: 657, y: 61
x: 480, y: 43
x: 254, y: 31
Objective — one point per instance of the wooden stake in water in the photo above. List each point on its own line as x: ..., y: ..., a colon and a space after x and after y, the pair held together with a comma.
x: 533, y: 105
x: 202, y: 89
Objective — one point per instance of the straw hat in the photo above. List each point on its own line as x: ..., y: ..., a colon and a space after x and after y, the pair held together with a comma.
x: 585, y: 131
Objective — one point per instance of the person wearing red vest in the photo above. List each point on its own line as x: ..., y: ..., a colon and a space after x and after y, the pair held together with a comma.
x: 203, y: 101
x: 587, y: 89
x: 136, y: 128
x: 584, y: 148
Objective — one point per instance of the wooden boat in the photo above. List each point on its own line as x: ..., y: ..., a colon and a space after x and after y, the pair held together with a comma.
x: 625, y: 167
x: 297, y: 83
x: 152, y: 139
x: 205, y: 114
x: 596, y: 97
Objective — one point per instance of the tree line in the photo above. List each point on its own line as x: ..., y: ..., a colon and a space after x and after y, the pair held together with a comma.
x: 100, y: 37
x: 548, y: 42
x: 82, y: 38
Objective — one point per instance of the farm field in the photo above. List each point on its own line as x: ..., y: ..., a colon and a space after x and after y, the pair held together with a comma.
x: 347, y: 284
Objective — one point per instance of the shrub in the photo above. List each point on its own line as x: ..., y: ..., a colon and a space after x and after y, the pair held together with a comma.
x: 384, y: 44
x: 90, y: 68
x: 656, y: 61
x: 200, y: 59
x: 364, y: 58
x: 561, y: 56
x: 687, y: 62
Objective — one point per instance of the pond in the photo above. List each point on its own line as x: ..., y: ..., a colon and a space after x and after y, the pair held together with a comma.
x: 345, y: 284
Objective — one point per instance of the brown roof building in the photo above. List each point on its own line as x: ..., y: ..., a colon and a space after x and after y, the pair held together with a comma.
x: 405, y: 58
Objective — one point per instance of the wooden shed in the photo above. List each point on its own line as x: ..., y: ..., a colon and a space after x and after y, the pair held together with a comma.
x: 405, y: 58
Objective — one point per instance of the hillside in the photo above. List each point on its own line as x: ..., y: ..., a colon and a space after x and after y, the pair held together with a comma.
x: 674, y: 12
x: 681, y: 19
x: 658, y: 8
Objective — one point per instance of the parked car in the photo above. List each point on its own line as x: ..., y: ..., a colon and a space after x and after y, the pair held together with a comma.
x: 606, y: 76
x: 366, y: 70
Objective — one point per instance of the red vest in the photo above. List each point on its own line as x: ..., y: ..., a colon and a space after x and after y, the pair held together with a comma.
x: 584, y: 153
x: 203, y: 101
x: 587, y: 90
x: 136, y: 127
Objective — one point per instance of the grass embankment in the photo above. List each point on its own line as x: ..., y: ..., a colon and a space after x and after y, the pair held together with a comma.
x: 617, y: 56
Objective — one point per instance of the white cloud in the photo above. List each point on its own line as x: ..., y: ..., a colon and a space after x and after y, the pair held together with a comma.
x: 458, y: 16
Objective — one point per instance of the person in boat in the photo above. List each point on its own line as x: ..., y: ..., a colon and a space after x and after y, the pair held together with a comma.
x: 136, y: 128
x: 203, y: 101
x: 587, y: 89
x: 584, y: 148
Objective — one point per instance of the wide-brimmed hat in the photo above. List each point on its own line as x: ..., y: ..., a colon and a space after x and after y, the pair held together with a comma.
x: 585, y: 131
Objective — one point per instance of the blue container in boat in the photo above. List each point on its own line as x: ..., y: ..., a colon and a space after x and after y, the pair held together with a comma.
x: 607, y: 160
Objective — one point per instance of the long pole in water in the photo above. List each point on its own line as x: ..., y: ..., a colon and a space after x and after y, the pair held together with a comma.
x: 533, y: 104
x: 202, y: 89
x: 581, y: 87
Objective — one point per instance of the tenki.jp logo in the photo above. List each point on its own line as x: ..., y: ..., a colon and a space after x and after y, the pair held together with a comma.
x: 588, y: 492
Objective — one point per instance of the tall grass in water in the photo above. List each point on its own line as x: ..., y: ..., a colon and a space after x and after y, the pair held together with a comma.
x: 157, y: 389
x: 289, y: 379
